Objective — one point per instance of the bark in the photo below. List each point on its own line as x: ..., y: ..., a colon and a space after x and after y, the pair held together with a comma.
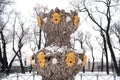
x: 39, y: 43
x: 21, y: 63
x: 4, y: 58
x: 102, y: 62
x: 9, y: 67
x: 112, y: 55
x: 58, y: 47
x: 20, y: 45
x: 105, y: 49
x: 0, y: 54
x: 93, y: 64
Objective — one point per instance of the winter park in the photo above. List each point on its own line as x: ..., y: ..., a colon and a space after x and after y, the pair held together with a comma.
x: 59, y: 40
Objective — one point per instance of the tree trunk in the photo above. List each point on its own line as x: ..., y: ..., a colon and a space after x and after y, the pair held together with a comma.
x: 9, y: 67
x: 39, y: 43
x: 105, y: 50
x: 93, y: 64
x: 93, y: 61
x: 4, y: 58
x: 102, y: 62
x: 83, y: 53
x: 107, y: 64
x: 0, y: 54
x: 21, y: 65
x: 112, y: 54
x: 88, y: 64
x: 67, y: 78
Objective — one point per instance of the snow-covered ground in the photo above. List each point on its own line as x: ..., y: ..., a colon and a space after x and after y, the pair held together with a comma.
x: 96, y: 76
x: 79, y: 76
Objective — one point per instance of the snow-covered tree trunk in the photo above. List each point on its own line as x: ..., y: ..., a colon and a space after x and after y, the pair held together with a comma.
x: 58, y: 61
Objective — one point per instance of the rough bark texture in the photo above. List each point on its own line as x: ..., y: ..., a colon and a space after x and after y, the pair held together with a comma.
x: 57, y: 46
x: 58, y: 71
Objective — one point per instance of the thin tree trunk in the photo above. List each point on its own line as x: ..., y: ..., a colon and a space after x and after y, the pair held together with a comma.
x: 83, y: 53
x: 21, y: 65
x: 102, y: 62
x: 93, y: 61
x: 93, y: 64
x: 39, y: 43
x: 0, y: 54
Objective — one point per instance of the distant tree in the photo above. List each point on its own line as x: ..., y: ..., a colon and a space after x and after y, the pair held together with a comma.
x: 37, y: 32
x: 103, y: 52
x: 115, y: 29
x: 3, y: 42
x: 81, y: 39
x: 103, y: 45
x: 3, y: 4
x: 4, y: 37
x: 19, y: 40
x: 93, y: 9
x: 90, y: 46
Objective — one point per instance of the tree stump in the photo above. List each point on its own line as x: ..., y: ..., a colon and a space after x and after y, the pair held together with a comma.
x: 58, y: 61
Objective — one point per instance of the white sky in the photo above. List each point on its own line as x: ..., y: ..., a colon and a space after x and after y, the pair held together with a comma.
x: 26, y: 6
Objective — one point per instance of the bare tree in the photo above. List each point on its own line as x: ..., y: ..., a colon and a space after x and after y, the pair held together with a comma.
x: 115, y: 29
x: 89, y: 44
x: 37, y: 34
x: 103, y: 46
x: 4, y: 41
x: 3, y: 37
x: 19, y: 40
x: 103, y: 52
x: 3, y: 4
x: 107, y: 13
x: 81, y: 39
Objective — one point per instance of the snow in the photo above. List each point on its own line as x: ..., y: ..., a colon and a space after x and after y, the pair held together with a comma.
x: 80, y: 51
x: 68, y: 19
x: 79, y: 61
x: 45, y: 19
x: 79, y: 76
x: 55, y: 49
x: 96, y: 76
x: 54, y: 61
x: 20, y: 76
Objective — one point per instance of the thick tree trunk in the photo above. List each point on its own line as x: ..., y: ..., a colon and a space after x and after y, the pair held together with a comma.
x: 112, y: 55
x: 105, y: 48
x: 107, y: 64
x: 68, y: 78
x: 4, y: 58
